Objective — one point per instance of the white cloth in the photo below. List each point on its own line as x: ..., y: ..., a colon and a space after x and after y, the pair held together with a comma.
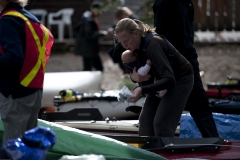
x: 162, y: 93
x: 144, y: 70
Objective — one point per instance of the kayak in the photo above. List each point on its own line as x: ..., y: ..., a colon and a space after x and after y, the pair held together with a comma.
x: 171, y: 148
x: 71, y: 141
x: 216, y: 85
x: 108, y: 127
x: 231, y: 83
x: 82, y: 81
x: 225, y: 106
x: 168, y: 147
x: 105, y: 101
x: 185, y: 148
x: 108, y: 107
x: 76, y: 142
x: 222, y: 94
x: 141, y: 147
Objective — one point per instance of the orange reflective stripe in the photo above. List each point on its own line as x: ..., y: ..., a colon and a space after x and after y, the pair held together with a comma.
x: 41, y: 48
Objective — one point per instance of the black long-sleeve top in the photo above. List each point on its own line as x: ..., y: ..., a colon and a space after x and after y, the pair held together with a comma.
x: 87, y: 36
x: 174, y: 19
x: 165, y: 75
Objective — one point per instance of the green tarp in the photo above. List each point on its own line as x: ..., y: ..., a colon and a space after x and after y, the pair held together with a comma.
x: 72, y: 141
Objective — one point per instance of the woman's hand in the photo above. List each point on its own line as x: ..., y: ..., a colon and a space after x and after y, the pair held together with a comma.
x: 138, y: 78
x: 137, y: 93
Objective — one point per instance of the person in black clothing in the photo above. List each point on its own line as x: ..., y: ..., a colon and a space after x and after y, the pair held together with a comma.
x: 174, y: 20
x: 142, y: 67
x: 169, y: 70
x: 116, y: 51
x: 87, y: 36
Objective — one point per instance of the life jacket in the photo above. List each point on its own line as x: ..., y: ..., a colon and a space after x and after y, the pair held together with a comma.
x: 39, y: 41
x: 169, y: 54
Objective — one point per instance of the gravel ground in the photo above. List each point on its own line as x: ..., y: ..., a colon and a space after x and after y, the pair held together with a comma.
x: 216, y: 61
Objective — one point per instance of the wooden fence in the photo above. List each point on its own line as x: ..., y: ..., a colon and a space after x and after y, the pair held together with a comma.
x: 217, y: 15
x: 212, y: 15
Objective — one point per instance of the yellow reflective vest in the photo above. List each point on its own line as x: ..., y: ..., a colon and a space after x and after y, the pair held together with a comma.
x: 39, y: 41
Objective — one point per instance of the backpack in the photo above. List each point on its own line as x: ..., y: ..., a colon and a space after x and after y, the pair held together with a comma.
x: 169, y: 54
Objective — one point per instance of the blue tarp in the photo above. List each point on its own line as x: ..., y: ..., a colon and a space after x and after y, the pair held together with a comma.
x: 228, y: 126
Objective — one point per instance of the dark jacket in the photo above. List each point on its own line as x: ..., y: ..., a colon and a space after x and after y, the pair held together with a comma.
x: 87, y: 36
x: 165, y: 74
x: 174, y: 20
x: 13, y: 44
x: 116, y: 50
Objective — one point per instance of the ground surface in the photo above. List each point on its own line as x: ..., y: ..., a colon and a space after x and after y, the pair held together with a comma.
x: 216, y: 61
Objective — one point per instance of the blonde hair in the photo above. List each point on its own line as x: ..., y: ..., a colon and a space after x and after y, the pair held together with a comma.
x: 122, y: 11
x: 22, y: 3
x: 131, y: 26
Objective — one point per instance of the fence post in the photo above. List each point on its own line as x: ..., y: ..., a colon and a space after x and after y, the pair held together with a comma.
x: 237, y: 15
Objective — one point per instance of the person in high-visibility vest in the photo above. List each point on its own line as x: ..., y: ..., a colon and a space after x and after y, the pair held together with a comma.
x: 25, y: 46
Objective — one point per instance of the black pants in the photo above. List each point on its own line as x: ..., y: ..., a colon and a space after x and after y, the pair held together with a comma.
x: 160, y: 116
x: 198, y: 105
x: 95, y: 62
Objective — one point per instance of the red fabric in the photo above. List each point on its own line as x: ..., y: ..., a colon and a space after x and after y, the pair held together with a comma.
x: 1, y: 50
x: 211, y: 93
x: 32, y: 55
